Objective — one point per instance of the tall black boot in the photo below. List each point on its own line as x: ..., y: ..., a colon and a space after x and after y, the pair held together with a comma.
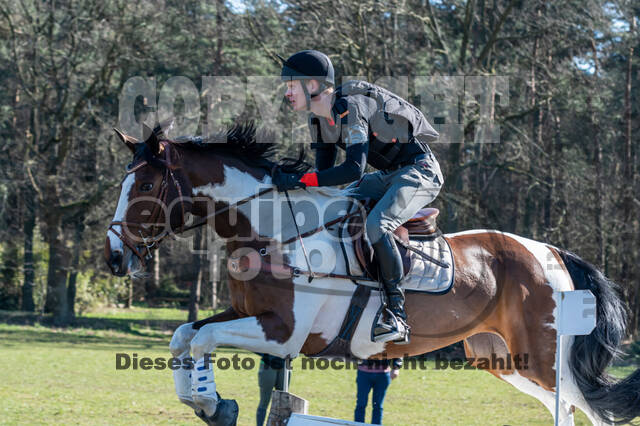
x: 391, y: 274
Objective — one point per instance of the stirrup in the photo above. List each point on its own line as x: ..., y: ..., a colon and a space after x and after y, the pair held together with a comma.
x: 394, y: 330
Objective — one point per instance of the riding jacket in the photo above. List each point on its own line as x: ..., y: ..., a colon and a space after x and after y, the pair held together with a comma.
x: 374, y: 126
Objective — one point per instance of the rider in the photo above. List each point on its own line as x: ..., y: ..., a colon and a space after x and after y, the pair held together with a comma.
x: 373, y: 126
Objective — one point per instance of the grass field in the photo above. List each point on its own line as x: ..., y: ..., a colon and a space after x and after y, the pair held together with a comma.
x: 69, y: 376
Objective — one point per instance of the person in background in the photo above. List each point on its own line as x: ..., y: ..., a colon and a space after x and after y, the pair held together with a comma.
x: 377, y: 375
x: 270, y: 376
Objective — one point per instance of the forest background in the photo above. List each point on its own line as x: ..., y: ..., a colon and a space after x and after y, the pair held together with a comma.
x: 564, y: 170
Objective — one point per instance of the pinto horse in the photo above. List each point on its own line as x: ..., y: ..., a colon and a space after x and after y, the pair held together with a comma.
x: 501, y: 302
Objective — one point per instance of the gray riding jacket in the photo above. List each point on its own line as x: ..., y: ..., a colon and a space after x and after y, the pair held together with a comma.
x: 374, y: 126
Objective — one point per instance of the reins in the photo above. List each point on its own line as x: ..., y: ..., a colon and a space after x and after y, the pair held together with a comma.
x: 304, y: 250
x: 285, y: 269
x: 203, y: 220
x: 152, y: 241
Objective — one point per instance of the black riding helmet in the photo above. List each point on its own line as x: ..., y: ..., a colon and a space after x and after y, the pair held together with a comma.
x: 309, y: 65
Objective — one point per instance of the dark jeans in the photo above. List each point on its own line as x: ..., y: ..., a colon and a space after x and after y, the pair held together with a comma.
x: 366, y: 381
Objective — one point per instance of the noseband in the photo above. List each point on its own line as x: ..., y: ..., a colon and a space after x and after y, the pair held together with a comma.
x: 151, y: 240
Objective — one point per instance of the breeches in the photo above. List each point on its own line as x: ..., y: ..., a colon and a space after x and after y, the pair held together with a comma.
x: 400, y: 195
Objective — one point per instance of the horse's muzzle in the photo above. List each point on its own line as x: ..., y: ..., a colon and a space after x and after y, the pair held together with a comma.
x: 116, y: 263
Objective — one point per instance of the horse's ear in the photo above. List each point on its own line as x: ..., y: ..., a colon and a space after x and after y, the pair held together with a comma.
x: 129, y: 141
x: 151, y: 139
x: 162, y: 128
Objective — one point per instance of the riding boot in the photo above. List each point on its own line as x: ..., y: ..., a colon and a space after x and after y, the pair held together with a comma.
x: 391, y: 274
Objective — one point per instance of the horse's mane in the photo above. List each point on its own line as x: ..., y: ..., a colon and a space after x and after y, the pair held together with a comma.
x: 244, y: 142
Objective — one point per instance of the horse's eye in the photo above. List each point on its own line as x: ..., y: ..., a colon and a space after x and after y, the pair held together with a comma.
x: 146, y: 187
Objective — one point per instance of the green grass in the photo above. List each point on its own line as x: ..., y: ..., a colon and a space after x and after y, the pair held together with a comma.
x: 141, y: 313
x: 68, y: 376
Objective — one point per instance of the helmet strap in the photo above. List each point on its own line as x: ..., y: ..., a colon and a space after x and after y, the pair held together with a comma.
x: 308, y: 96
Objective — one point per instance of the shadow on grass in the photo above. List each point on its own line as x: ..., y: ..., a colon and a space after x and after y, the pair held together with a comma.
x: 19, y: 336
x: 74, y: 338
x: 102, y: 333
x: 125, y: 325
x: 94, y: 333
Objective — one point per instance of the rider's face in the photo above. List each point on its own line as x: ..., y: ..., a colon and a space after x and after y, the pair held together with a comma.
x: 295, y: 95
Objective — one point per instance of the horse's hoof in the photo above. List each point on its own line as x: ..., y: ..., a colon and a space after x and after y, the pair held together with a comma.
x: 226, y: 414
x: 200, y: 413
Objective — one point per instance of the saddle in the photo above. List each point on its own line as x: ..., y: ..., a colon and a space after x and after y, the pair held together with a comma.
x: 422, y: 225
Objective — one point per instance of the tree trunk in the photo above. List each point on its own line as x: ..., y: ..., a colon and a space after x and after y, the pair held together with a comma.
x: 28, y: 267
x: 130, y: 293
x: 214, y: 292
x: 10, y: 261
x: 194, y: 297
x: 75, y: 263
x: 196, y: 285
x: 597, y: 162
x: 156, y: 273
x: 630, y: 217
x: 529, y: 219
x: 152, y: 284
x: 213, y: 260
x: 550, y: 178
x: 220, y: 10
x: 627, y: 276
x: 57, y: 271
x: 599, y: 207
x: 517, y: 207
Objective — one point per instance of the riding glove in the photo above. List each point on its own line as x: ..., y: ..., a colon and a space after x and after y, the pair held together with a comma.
x: 286, y: 181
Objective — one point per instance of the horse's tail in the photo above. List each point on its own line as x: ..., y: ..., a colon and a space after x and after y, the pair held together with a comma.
x: 592, y: 354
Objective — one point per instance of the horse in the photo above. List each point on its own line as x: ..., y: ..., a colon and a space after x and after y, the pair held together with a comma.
x: 501, y: 301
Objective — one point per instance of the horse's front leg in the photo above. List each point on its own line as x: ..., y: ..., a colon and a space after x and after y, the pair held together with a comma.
x: 181, y: 345
x: 263, y: 333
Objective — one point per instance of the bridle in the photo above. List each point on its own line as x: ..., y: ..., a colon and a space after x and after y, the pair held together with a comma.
x: 151, y: 240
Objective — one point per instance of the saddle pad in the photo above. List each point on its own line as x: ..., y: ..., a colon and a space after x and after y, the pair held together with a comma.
x: 424, y: 275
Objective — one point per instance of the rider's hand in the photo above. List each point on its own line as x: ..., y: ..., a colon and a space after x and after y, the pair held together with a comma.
x: 394, y: 374
x: 286, y: 181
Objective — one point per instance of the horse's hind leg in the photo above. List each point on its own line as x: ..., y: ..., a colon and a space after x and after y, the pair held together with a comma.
x: 487, y: 347
x: 538, y: 377
x: 548, y: 398
x: 570, y: 392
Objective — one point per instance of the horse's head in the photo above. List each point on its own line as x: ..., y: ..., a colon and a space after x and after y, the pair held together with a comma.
x: 154, y: 199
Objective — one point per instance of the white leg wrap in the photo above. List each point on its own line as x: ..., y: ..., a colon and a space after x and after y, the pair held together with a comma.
x: 203, y: 386
x: 179, y: 348
x: 182, y: 382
